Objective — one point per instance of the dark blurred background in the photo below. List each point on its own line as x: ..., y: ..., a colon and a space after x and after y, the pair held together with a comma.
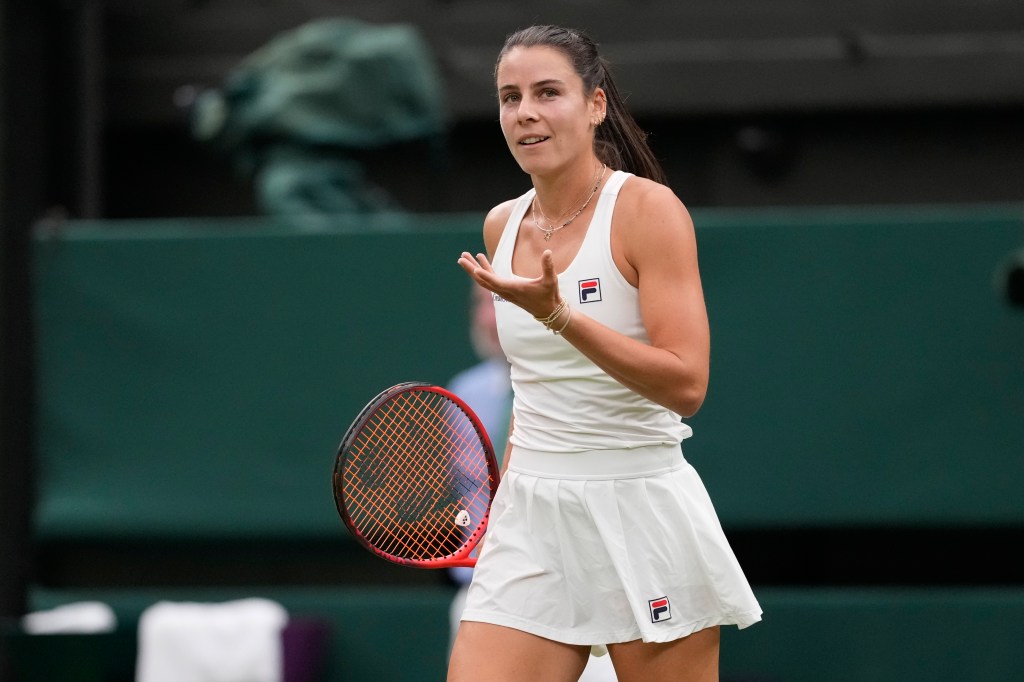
x: 750, y: 105
x: 747, y: 103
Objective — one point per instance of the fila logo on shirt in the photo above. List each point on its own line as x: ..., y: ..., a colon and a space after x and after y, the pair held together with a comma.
x: 590, y: 290
x: 660, y: 609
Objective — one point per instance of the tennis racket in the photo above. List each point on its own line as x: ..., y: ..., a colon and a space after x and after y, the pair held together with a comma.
x: 415, y: 476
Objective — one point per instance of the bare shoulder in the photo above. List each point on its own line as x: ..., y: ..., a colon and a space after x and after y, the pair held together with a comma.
x: 650, y: 209
x: 499, y: 214
x: 494, y: 224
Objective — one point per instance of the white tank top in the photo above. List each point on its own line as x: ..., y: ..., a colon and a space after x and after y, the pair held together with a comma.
x: 563, y: 401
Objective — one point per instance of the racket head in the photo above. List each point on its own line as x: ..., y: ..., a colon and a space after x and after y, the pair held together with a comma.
x: 414, y: 477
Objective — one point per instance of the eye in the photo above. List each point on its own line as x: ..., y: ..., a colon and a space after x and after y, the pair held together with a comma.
x: 509, y: 98
x: 549, y: 93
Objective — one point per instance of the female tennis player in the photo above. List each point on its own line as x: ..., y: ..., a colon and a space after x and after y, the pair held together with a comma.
x: 601, y: 534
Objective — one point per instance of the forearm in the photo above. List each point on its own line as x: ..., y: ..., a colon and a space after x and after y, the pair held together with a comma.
x: 671, y: 379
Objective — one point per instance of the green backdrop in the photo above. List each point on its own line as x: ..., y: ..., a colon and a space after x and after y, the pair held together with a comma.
x: 196, y: 378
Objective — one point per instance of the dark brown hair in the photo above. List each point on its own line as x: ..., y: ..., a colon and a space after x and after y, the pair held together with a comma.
x: 618, y: 141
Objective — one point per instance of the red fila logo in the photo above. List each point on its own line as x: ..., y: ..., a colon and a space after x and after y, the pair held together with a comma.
x: 590, y: 290
x: 660, y: 609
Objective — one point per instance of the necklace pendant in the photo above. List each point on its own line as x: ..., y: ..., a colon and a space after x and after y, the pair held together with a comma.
x: 547, y: 235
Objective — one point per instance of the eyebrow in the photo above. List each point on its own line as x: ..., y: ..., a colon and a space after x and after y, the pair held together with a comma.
x: 534, y: 86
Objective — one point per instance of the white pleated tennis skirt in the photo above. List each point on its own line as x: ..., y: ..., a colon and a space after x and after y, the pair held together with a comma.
x: 607, y: 546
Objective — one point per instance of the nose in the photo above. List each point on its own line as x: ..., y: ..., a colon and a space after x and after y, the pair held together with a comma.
x: 526, y: 111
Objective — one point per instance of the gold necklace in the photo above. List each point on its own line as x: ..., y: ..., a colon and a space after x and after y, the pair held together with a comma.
x: 551, y: 229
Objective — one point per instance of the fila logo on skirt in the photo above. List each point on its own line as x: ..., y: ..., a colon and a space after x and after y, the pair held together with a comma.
x: 660, y: 609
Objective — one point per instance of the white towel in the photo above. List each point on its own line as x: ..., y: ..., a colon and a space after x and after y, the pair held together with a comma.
x: 84, y: 617
x: 236, y: 641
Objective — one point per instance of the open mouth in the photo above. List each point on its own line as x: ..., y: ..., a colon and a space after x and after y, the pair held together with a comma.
x: 536, y: 139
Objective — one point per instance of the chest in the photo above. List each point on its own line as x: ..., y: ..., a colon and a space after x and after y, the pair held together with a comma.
x: 530, y: 244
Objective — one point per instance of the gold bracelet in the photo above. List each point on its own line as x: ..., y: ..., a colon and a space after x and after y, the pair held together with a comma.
x: 546, y: 321
x: 568, y: 318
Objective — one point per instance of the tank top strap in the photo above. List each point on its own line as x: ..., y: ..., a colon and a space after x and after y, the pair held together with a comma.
x: 615, y: 182
x: 602, y: 221
x: 596, y: 245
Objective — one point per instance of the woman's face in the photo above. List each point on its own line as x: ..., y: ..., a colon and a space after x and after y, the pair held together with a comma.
x: 546, y: 118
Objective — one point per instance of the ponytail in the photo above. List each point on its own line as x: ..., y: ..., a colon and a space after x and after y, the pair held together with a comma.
x: 619, y: 141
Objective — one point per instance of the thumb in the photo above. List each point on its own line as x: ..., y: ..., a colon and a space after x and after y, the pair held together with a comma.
x: 547, y: 265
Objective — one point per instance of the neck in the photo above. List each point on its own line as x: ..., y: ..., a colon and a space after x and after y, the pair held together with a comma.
x: 561, y: 195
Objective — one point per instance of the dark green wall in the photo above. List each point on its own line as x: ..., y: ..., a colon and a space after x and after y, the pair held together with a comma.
x: 201, y: 378
x: 866, y: 368
x: 196, y: 379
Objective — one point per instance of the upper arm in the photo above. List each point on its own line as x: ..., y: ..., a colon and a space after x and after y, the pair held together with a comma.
x: 494, y: 225
x: 660, y: 246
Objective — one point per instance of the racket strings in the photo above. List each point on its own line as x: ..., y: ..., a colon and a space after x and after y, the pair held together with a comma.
x: 386, y: 508
x: 435, y: 472
x: 418, y: 464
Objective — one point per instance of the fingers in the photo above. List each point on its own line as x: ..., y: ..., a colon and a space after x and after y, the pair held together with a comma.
x: 479, y: 268
x: 469, y: 262
x: 484, y: 263
x: 473, y: 264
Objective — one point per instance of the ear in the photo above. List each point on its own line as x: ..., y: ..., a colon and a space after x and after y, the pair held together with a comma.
x: 598, y: 107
